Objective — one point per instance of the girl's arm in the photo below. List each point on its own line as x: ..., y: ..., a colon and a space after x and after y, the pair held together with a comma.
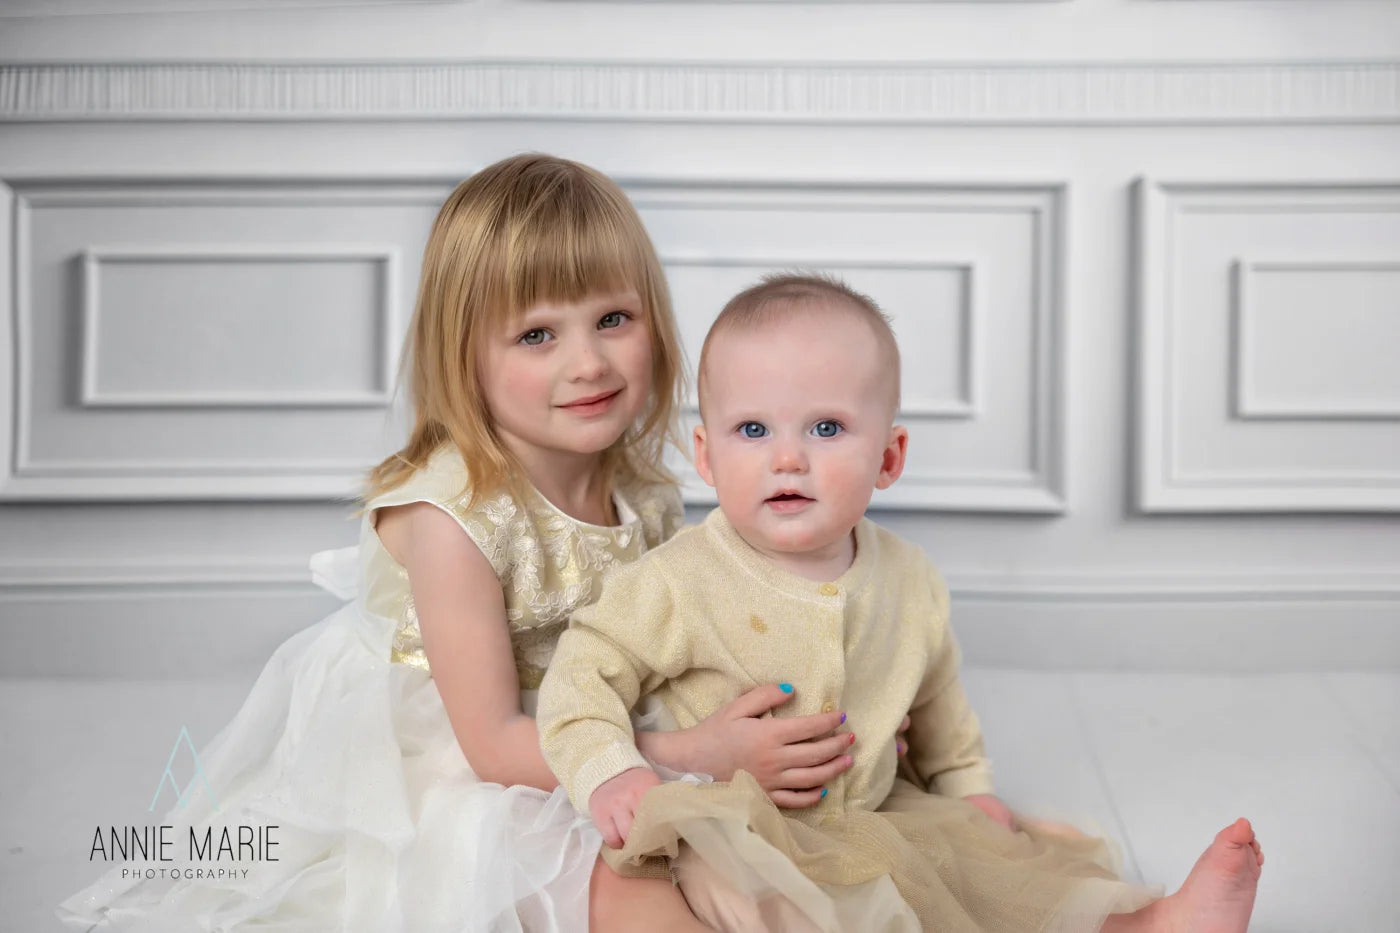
x: 462, y: 615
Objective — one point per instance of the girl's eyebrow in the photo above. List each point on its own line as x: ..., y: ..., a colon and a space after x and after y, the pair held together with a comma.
x: 532, y: 318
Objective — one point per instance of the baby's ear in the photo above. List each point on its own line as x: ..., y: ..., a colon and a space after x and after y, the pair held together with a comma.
x: 892, y: 459
x: 702, y: 454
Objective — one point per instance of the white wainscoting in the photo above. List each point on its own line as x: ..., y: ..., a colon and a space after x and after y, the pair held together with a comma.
x: 1219, y: 333
x: 1144, y: 270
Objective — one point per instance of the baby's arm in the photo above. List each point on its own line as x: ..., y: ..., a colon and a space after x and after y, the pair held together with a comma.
x: 945, y: 738
x: 624, y: 644
x: 462, y: 616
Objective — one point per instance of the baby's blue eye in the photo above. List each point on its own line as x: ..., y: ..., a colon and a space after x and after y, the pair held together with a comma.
x: 752, y: 429
x: 826, y: 428
x: 533, y: 338
x: 612, y: 319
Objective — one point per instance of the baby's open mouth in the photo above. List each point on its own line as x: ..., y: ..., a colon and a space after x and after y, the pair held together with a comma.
x: 788, y: 497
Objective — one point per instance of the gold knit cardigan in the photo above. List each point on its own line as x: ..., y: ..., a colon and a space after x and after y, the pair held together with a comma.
x: 705, y: 617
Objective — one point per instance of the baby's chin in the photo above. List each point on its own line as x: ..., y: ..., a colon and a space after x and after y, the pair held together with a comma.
x: 796, y: 537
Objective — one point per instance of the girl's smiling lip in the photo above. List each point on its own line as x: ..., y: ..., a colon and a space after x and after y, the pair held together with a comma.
x: 593, y: 404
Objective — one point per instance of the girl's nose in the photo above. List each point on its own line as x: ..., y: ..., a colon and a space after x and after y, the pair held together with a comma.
x: 589, y: 364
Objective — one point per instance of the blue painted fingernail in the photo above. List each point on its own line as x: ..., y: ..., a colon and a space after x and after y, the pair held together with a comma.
x: 823, y: 791
x: 786, y: 688
x: 843, y: 717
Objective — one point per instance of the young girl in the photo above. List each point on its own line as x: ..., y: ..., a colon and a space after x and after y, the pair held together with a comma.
x: 545, y: 368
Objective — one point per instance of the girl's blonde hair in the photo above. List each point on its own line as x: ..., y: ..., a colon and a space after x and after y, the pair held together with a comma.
x: 526, y: 230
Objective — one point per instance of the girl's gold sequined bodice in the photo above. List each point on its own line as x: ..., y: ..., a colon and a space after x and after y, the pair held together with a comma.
x: 548, y: 563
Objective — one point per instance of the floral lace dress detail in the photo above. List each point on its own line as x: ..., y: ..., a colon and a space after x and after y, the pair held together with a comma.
x: 549, y: 563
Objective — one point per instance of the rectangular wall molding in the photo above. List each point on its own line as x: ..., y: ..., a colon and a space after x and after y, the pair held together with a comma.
x: 963, y: 405
x: 956, y: 294
x: 375, y: 394
x: 1051, y: 93
x: 1250, y: 322
x: 1199, y: 446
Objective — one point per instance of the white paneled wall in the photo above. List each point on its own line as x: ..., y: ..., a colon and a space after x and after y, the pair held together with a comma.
x: 1143, y: 257
x: 1268, y: 348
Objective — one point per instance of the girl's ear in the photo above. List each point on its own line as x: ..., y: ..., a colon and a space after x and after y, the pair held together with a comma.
x: 892, y: 460
x: 702, y: 455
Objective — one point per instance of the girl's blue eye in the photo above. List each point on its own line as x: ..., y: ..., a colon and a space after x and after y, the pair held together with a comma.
x: 533, y: 338
x: 753, y: 430
x: 826, y: 428
x: 612, y: 319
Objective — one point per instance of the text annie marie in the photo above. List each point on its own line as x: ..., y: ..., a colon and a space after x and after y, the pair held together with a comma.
x: 208, y: 845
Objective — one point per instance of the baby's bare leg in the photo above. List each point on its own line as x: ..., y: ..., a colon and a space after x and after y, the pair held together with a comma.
x: 621, y: 905
x: 1217, y: 897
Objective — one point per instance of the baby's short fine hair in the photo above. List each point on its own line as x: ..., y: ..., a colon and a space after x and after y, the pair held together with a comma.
x: 784, y: 296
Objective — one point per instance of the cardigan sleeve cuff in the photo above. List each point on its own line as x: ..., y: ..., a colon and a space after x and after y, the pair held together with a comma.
x: 615, y: 759
x: 965, y: 782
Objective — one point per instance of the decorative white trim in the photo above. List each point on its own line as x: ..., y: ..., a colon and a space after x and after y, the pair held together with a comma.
x: 23, y: 477
x: 813, y: 1
x: 1160, y: 484
x: 1104, y: 620
x: 13, y: 257
x: 1246, y: 405
x: 1146, y: 587
x: 1074, y: 93
x: 22, y: 9
x: 1108, y: 586
x: 93, y: 258
x: 989, y: 492
x: 29, y: 577
x: 917, y: 409
x: 1037, y: 490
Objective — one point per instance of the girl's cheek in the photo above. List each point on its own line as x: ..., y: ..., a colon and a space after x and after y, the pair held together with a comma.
x: 643, y: 353
x: 522, y: 379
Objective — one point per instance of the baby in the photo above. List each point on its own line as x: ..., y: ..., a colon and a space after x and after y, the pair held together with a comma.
x: 788, y: 581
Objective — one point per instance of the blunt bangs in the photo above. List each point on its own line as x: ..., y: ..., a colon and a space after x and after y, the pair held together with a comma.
x: 575, y: 240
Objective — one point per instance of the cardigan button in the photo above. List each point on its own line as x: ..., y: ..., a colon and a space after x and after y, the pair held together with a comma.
x: 828, y: 589
x: 828, y: 707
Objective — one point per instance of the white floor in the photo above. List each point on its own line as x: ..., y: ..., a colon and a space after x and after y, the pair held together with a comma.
x: 1159, y: 761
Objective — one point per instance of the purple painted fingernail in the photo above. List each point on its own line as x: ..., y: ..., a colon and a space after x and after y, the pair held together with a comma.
x: 843, y: 717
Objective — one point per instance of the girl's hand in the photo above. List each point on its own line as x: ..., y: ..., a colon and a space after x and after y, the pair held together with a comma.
x: 901, y: 743
x: 992, y: 805
x: 790, y: 758
x: 615, y: 802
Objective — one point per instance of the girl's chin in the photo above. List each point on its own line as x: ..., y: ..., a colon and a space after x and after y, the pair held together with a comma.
x: 591, y: 444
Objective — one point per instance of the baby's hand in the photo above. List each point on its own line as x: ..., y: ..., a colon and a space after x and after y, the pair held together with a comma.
x: 615, y: 802
x: 790, y: 758
x: 992, y: 805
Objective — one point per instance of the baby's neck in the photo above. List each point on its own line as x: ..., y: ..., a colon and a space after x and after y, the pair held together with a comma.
x: 821, y: 564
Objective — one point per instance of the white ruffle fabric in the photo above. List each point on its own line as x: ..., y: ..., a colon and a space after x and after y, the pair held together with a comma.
x: 382, y: 825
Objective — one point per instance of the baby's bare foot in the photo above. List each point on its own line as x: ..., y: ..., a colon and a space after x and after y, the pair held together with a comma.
x: 1218, y: 895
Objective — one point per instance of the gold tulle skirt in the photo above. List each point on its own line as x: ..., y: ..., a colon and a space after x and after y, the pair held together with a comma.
x: 922, y: 861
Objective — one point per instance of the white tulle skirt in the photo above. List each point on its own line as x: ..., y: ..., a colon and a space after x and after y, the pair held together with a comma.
x: 381, y: 824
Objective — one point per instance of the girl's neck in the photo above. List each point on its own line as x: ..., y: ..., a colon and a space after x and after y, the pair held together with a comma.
x: 572, y: 482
